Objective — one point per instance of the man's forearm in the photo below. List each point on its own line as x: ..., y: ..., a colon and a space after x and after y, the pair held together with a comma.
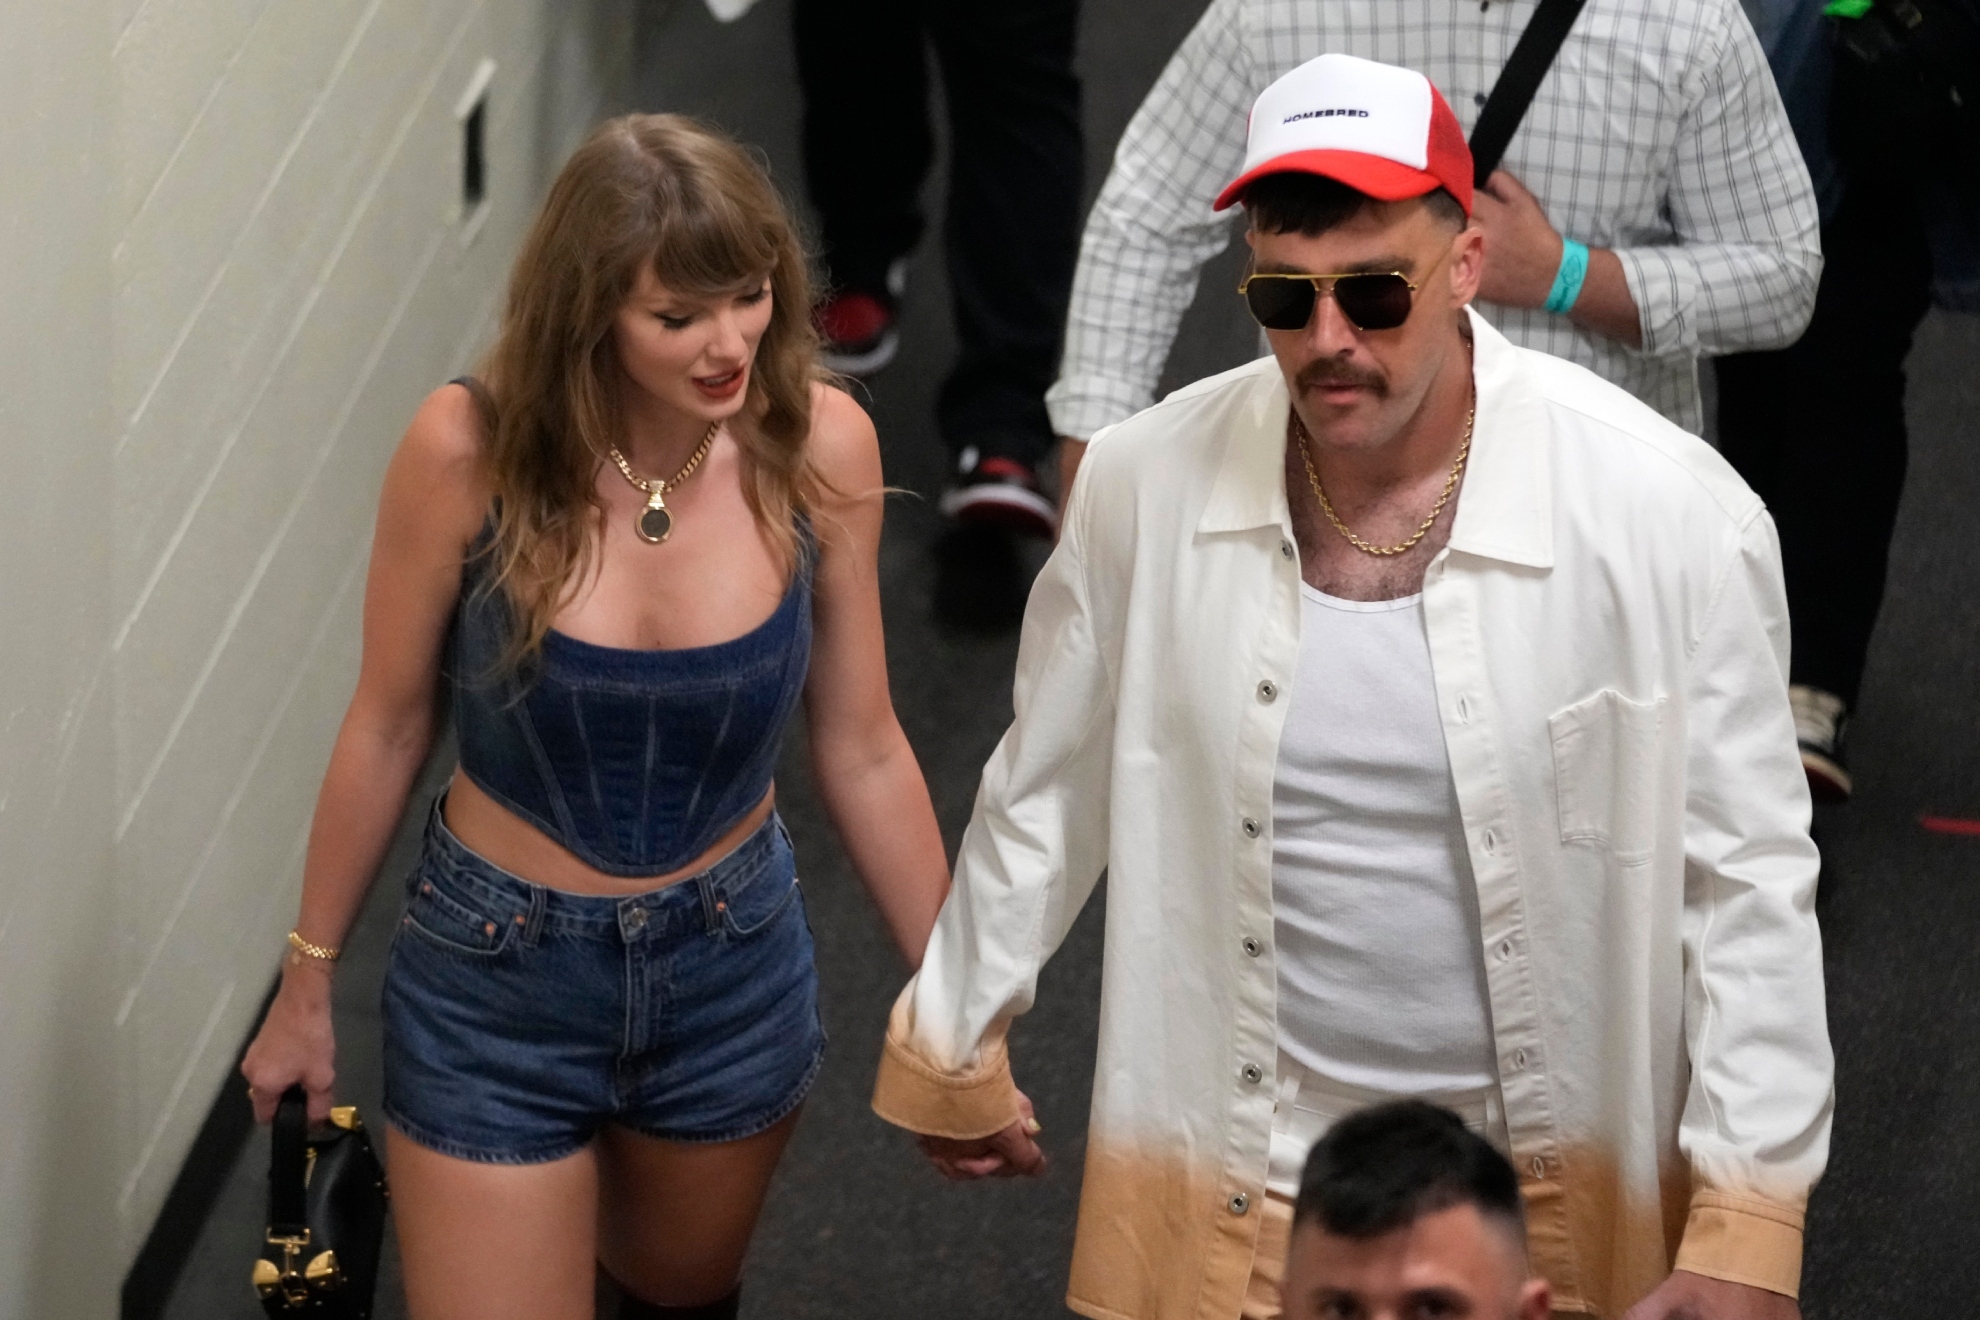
x: 1605, y: 305
x: 1721, y: 298
x: 1524, y: 262
x: 1742, y: 272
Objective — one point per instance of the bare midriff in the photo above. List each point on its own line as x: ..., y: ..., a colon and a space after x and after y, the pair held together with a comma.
x: 498, y: 835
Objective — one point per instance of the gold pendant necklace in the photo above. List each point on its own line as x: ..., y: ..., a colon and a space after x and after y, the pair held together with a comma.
x: 1326, y: 507
x: 655, y: 522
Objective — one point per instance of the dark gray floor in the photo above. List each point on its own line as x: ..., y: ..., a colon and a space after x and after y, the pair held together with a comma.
x: 857, y: 1227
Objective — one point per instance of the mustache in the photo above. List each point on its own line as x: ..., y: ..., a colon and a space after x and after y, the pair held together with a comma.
x: 1333, y: 371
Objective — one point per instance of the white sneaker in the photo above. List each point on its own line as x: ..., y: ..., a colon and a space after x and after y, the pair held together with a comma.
x: 1819, y: 720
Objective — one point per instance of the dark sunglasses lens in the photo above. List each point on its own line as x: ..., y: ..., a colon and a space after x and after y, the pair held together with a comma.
x: 1373, y: 302
x: 1280, y: 304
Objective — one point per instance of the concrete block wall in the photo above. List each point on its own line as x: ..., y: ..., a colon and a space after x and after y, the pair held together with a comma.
x: 237, y: 257
x: 58, y: 902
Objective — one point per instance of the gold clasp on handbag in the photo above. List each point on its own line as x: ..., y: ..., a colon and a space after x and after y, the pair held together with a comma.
x: 270, y: 1278
x: 322, y: 1272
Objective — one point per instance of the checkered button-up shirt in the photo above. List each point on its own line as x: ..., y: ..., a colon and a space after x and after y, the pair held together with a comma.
x: 1657, y: 133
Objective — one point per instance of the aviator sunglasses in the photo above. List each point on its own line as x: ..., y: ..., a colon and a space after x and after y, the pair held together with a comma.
x: 1371, y: 300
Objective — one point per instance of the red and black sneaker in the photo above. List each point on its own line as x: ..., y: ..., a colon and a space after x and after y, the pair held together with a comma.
x: 1001, y: 492
x: 859, y: 332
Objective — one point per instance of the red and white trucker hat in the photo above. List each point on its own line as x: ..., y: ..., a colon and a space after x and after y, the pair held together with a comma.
x: 1380, y: 130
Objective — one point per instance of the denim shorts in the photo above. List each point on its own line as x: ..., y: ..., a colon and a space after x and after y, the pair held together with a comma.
x: 519, y: 1019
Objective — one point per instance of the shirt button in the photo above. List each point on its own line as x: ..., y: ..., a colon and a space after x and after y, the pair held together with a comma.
x: 1252, y: 1073
x: 1539, y: 1167
x: 1505, y: 950
x: 1251, y: 828
x: 1252, y: 946
x: 1268, y: 692
x: 1240, y: 1203
x: 1519, y: 1060
x: 1286, y: 549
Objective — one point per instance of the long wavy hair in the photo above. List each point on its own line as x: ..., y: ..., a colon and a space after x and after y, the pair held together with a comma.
x: 674, y: 194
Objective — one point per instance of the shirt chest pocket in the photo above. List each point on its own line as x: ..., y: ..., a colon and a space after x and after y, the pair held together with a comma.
x: 1606, y: 771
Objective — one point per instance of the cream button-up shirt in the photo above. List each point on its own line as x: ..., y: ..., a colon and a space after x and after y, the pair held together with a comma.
x: 1609, y: 636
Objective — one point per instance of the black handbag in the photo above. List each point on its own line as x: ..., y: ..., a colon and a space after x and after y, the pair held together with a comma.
x: 326, y: 1217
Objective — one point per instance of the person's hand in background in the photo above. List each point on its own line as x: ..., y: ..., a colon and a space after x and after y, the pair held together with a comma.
x: 1523, y: 254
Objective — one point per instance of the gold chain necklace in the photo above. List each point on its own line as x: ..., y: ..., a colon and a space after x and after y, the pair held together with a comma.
x: 655, y: 523
x: 1450, y: 484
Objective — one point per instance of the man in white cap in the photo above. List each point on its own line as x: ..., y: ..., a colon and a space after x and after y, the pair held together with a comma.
x: 1652, y: 207
x: 1424, y: 699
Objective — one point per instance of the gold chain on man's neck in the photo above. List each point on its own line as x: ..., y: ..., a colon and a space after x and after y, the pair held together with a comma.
x: 1326, y: 506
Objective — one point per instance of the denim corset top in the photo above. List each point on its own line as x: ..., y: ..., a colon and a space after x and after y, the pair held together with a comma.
x: 635, y: 761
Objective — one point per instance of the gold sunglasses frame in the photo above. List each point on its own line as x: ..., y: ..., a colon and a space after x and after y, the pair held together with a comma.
x: 1319, y: 292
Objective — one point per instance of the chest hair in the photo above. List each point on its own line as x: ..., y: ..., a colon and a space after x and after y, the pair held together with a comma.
x: 1330, y: 563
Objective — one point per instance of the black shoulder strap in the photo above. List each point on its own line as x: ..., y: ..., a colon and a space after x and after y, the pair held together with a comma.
x: 484, y: 401
x: 1518, y: 81
x: 288, y: 1214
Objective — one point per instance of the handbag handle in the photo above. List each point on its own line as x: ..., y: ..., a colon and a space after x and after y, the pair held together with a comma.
x: 1518, y: 81
x: 288, y: 1167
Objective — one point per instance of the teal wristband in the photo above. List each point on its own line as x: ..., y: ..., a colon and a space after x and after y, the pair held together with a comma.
x: 1568, y: 279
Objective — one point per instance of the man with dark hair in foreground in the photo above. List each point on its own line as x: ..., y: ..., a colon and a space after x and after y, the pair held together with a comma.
x: 1424, y: 699
x: 1403, y: 1214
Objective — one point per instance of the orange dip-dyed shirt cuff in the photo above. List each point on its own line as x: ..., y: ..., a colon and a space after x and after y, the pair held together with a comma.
x: 1743, y: 1240
x: 911, y: 1093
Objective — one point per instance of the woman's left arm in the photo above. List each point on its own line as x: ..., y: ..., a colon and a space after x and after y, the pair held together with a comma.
x: 866, y: 772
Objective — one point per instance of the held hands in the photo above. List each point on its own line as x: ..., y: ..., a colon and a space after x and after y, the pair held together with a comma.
x: 295, y: 1044
x: 1005, y: 1154
x: 1688, y: 1296
x: 1522, y: 250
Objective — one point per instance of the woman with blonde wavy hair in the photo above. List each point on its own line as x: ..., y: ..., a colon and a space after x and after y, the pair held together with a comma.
x: 631, y: 551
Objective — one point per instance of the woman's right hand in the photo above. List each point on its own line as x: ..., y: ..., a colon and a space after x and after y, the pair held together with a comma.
x: 296, y: 1043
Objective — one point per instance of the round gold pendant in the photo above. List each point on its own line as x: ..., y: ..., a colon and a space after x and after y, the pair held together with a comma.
x: 654, y: 525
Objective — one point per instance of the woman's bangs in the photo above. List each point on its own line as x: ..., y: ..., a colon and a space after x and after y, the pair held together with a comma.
x: 709, y: 247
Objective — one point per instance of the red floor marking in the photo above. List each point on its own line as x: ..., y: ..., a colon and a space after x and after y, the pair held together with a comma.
x: 1951, y: 825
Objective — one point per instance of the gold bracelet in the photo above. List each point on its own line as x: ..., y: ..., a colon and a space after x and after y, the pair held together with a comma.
x: 316, y: 951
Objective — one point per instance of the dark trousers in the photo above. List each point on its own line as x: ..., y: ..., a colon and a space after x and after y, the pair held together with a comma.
x: 1011, y: 235
x: 1818, y: 429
